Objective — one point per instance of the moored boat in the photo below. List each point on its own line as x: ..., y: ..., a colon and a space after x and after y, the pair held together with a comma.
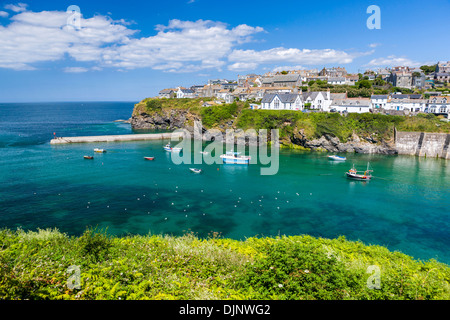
x: 149, y: 158
x: 194, y: 170
x: 232, y: 157
x: 359, y: 175
x: 99, y: 150
x: 169, y: 148
x: 89, y: 157
x: 337, y: 158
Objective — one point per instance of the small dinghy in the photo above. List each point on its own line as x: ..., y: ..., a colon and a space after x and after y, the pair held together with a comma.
x: 169, y: 148
x: 194, y: 170
x: 337, y: 158
x: 149, y: 158
x: 89, y: 157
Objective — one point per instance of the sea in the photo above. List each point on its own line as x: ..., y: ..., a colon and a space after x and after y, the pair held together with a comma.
x: 405, y: 207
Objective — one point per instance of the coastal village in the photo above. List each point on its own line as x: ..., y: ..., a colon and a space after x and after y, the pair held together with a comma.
x: 400, y: 90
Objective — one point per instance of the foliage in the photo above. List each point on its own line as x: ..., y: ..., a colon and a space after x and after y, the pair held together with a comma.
x: 428, y: 69
x: 214, y: 115
x: 153, y: 105
x: 34, y: 265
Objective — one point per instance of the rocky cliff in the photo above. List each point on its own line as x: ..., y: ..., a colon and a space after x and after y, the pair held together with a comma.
x: 171, y: 119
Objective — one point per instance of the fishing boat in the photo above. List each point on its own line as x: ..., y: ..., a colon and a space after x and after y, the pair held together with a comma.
x: 99, y: 150
x: 194, y: 170
x: 359, y: 175
x: 149, y: 158
x: 232, y: 157
x: 337, y: 158
x: 89, y: 157
x: 169, y: 148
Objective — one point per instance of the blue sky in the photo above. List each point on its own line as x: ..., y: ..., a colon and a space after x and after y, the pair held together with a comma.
x: 131, y: 49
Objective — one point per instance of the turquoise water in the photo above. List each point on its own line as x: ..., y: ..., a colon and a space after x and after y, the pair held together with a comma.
x: 404, y: 207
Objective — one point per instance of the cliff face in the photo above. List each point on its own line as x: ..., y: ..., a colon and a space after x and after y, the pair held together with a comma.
x: 172, y: 119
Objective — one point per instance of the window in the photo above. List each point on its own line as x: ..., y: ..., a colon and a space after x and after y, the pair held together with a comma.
x: 276, y: 103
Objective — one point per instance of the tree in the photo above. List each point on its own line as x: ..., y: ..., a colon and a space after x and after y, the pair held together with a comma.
x: 364, y: 84
x: 428, y: 69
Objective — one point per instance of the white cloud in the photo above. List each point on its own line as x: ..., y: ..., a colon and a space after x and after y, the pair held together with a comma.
x: 287, y: 68
x: 374, y: 45
x: 4, y: 14
x: 34, y: 37
x: 183, y: 46
x: 292, y: 55
x: 20, y: 7
x: 180, y: 46
x: 76, y: 69
x: 392, y: 61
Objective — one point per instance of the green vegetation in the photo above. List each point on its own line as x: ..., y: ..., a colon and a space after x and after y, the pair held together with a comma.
x: 34, y: 265
x: 313, y: 125
x: 215, y: 115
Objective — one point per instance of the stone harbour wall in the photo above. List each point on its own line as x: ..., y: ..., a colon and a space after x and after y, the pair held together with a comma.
x: 423, y: 144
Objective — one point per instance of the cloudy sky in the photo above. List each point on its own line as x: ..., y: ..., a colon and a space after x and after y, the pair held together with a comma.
x: 129, y: 50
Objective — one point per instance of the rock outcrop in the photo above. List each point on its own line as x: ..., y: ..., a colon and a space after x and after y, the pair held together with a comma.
x: 173, y: 119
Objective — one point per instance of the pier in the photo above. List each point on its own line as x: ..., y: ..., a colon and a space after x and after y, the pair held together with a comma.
x: 117, y: 138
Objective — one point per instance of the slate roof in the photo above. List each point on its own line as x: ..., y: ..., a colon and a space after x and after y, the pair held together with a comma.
x: 284, y: 97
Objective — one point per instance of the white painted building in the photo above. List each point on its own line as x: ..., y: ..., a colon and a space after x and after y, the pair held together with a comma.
x: 185, y: 93
x: 439, y: 105
x: 351, y: 105
x: 282, y: 101
x: 406, y: 104
x: 379, y: 101
x: 319, y: 100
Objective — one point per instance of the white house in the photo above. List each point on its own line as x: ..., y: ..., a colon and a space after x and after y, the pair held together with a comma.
x: 439, y: 105
x: 337, y: 80
x: 320, y: 100
x: 166, y: 93
x: 282, y: 101
x: 351, y: 105
x: 406, y: 104
x: 185, y: 93
x: 379, y: 101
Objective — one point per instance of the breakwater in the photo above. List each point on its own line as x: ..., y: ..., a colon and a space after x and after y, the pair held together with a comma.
x: 423, y: 144
x: 116, y: 138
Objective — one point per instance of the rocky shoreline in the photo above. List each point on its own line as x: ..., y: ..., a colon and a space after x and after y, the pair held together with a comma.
x: 182, y: 119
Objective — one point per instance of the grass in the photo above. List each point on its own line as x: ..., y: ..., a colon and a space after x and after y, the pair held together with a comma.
x: 34, y: 265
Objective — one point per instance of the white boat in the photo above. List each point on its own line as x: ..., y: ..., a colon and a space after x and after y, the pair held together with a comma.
x: 168, y: 147
x: 194, y: 170
x: 232, y: 157
x: 99, y: 150
x: 358, y: 175
x: 337, y: 158
x: 204, y: 152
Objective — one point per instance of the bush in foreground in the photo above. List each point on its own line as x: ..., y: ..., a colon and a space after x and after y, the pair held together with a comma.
x: 35, y: 265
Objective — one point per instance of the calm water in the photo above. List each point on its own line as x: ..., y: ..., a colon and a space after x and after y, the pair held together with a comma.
x: 405, y: 207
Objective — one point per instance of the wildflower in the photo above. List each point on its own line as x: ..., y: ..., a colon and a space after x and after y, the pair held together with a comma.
x: 280, y: 285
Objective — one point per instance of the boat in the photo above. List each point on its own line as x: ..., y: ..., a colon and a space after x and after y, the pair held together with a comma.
x: 169, y: 148
x: 359, y: 175
x: 204, y: 152
x: 194, y: 170
x: 149, y: 158
x: 232, y: 157
x: 337, y: 158
x: 99, y: 150
x: 89, y: 157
